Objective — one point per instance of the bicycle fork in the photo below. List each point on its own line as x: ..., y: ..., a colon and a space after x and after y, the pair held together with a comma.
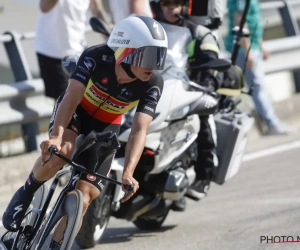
x: 42, y: 212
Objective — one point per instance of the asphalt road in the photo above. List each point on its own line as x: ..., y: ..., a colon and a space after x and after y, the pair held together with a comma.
x: 262, y: 200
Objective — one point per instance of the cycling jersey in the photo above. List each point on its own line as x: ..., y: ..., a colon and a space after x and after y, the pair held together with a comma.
x: 105, y: 99
x: 104, y: 102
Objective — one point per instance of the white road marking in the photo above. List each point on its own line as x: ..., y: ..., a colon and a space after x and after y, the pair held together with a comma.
x: 271, y: 151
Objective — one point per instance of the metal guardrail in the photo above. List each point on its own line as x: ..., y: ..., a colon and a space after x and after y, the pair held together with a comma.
x: 285, y: 47
x: 25, y: 36
x: 277, y: 4
x: 23, y: 102
x: 281, y: 45
x: 291, y: 29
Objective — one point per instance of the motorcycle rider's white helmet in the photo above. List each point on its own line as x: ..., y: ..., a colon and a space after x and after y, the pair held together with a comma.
x: 139, y: 41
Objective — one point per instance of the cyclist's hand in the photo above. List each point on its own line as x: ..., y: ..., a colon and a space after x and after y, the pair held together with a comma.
x: 127, y: 179
x: 45, y: 145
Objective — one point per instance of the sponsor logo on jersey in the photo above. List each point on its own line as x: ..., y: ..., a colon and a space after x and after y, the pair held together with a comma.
x: 104, y: 80
x: 84, y: 70
x: 89, y: 63
x: 107, y: 58
x: 104, y: 107
x: 154, y: 92
x: 100, y: 86
x: 81, y: 76
x: 150, y: 109
x: 108, y: 101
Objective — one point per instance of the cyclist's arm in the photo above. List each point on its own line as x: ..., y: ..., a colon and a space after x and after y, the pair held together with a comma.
x: 136, y: 141
x: 142, y: 119
x: 75, y: 91
x: 67, y: 107
x: 47, y: 5
x: 138, y: 7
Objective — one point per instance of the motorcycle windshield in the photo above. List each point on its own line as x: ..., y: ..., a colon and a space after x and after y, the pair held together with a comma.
x: 178, y: 40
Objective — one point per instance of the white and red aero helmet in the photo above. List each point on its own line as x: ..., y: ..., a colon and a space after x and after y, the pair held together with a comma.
x: 140, y: 41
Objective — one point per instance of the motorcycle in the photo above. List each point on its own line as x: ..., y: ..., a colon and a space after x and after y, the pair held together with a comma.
x: 165, y: 169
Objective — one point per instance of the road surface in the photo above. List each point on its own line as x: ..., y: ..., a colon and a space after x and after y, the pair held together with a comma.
x: 263, y: 200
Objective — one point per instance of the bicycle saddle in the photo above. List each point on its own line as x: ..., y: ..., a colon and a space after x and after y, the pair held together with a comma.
x: 82, y: 142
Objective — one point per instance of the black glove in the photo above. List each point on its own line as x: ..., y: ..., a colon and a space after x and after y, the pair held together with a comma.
x: 233, y: 82
x: 210, y: 84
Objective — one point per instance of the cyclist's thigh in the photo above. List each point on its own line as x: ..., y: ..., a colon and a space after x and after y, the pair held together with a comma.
x: 89, y: 158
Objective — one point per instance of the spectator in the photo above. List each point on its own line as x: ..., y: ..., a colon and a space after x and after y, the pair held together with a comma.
x: 254, y: 75
x: 61, y: 32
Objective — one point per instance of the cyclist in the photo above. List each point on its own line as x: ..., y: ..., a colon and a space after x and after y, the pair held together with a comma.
x: 109, y: 79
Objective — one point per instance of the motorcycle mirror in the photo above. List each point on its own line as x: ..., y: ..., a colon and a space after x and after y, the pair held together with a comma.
x: 218, y: 64
x: 99, y: 26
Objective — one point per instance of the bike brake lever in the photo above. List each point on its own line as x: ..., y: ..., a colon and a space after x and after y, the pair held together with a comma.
x: 52, y: 150
x: 128, y: 188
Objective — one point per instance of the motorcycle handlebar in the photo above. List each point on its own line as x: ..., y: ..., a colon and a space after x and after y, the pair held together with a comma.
x: 231, y: 104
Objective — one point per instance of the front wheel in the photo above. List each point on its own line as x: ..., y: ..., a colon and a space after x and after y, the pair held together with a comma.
x: 60, y: 230
x: 96, y: 218
x: 28, y: 222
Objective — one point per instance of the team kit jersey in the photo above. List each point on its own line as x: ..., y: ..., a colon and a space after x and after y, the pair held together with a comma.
x: 105, y: 99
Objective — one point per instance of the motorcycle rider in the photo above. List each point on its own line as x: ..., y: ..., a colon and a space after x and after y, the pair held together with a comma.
x: 202, y: 49
x: 109, y: 79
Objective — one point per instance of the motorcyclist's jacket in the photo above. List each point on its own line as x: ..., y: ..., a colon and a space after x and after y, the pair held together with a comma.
x: 105, y: 99
x: 202, y: 49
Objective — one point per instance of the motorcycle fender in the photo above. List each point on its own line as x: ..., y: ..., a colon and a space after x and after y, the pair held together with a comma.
x: 117, y: 168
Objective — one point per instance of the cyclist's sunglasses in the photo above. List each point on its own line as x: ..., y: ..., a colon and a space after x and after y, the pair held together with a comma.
x: 169, y: 2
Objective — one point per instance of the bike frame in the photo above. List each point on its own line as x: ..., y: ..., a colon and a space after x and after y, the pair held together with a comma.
x: 76, y: 169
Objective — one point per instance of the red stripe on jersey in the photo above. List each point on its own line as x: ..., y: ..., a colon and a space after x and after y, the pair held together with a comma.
x: 100, y: 114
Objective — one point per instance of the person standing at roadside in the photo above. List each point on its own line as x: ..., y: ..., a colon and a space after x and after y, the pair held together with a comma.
x: 255, y: 76
x: 121, y: 9
x: 60, y: 32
